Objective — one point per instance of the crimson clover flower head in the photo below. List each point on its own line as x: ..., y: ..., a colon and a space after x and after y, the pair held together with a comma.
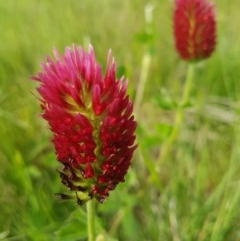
x: 91, y: 118
x: 194, y: 29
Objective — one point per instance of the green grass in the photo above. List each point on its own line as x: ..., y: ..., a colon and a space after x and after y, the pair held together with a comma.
x: 197, y: 194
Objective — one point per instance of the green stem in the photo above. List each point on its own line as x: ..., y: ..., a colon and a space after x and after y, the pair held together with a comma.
x: 188, y: 84
x: 166, y: 147
x: 146, y: 61
x: 90, y: 220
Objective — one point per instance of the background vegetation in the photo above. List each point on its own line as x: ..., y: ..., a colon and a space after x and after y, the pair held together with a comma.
x: 197, y: 193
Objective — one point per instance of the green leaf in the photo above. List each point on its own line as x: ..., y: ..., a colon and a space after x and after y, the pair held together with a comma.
x: 165, y: 102
x: 144, y: 37
x: 75, y: 227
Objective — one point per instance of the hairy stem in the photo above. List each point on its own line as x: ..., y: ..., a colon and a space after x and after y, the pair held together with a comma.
x: 146, y: 61
x: 166, y: 147
x: 90, y: 220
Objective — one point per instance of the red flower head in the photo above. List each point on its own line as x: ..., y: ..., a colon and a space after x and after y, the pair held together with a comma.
x: 194, y: 29
x: 91, y: 118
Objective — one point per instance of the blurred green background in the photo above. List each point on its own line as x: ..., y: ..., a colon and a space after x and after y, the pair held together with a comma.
x: 198, y: 196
